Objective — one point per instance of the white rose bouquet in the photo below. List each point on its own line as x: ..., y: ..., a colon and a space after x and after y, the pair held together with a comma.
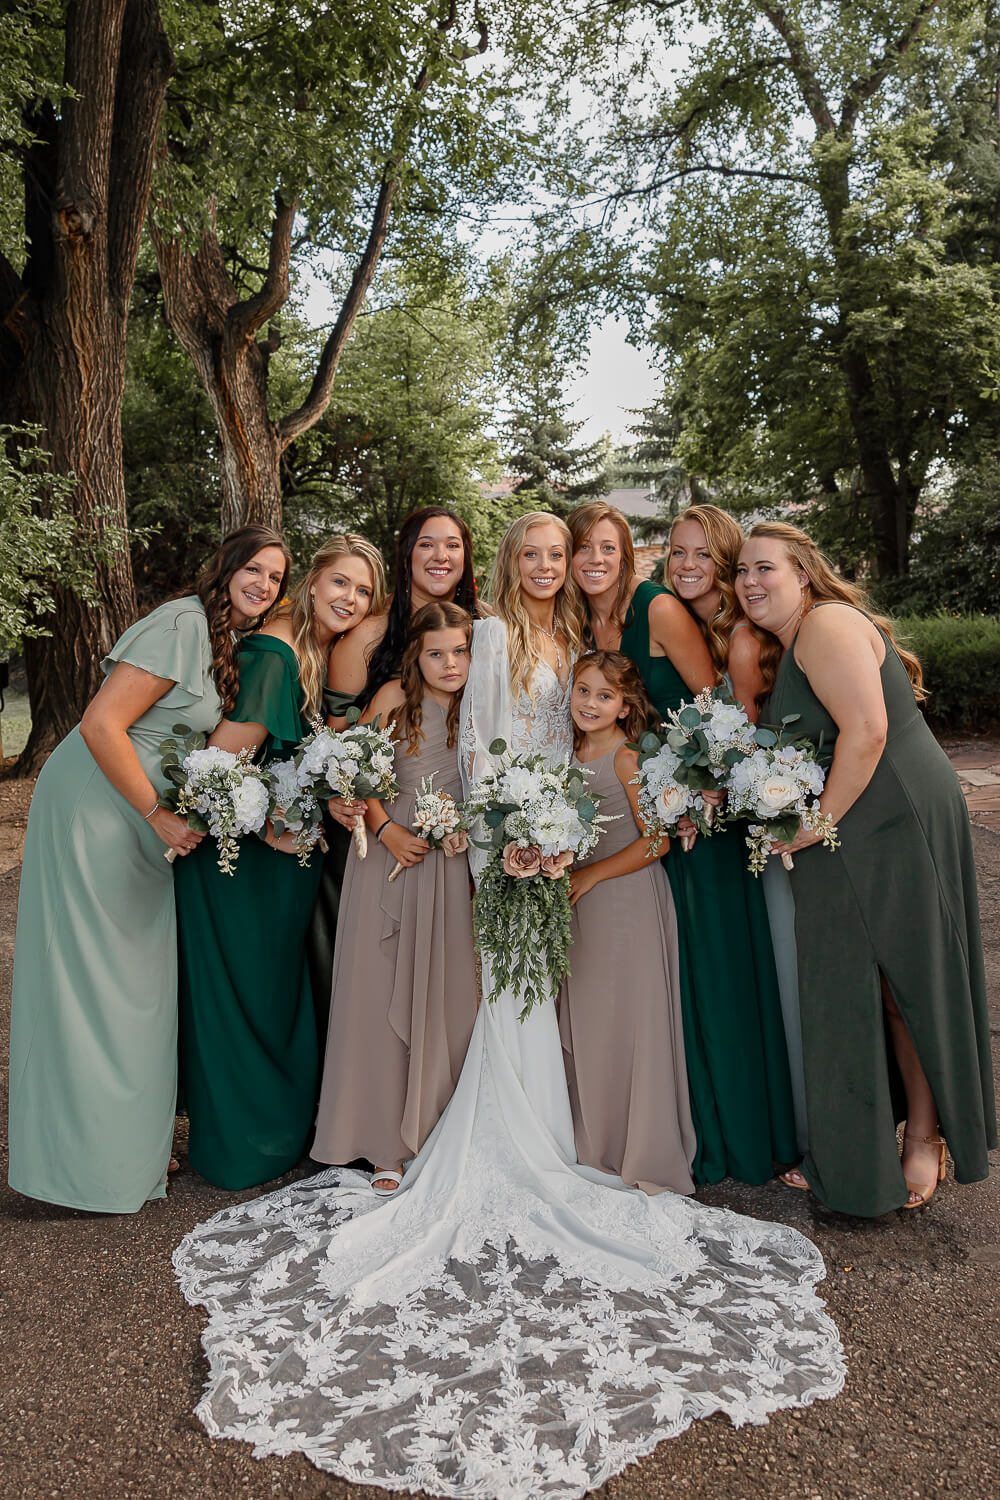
x: 357, y: 762
x: 437, y: 818
x: 690, y: 756
x: 217, y: 791
x: 777, y: 786
x: 537, y: 819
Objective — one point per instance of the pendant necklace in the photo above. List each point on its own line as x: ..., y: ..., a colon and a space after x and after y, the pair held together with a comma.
x: 552, y: 637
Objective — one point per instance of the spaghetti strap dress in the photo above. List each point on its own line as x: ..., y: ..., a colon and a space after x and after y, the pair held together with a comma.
x: 898, y: 896
x: 734, y: 1036
x: 404, y: 982
x: 620, y: 1015
x: 93, y: 1042
x: 249, y: 1055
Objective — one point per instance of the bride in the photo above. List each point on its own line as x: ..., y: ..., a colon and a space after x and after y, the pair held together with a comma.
x: 507, y: 1323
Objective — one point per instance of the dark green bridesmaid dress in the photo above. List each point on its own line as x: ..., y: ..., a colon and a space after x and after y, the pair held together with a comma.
x: 321, y: 937
x: 734, y: 1038
x: 899, y: 896
x: 249, y: 1058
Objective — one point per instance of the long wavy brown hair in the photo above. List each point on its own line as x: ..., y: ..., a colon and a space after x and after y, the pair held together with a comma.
x: 581, y: 523
x: 313, y: 654
x: 407, y: 719
x: 212, y: 588
x: 621, y: 673
x: 724, y: 537
x: 508, y: 601
x: 825, y: 584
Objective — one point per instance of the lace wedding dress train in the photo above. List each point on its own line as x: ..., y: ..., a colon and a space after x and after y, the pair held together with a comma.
x: 507, y: 1324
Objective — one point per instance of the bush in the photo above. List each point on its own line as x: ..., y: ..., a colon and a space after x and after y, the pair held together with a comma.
x: 955, y: 553
x: 960, y: 655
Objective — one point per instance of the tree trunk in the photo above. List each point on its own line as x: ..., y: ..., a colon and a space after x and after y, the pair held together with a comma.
x: 86, y: 188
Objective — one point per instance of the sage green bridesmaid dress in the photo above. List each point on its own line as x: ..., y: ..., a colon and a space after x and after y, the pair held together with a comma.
x: 734, y: 1039
x: 898, y: 896
x: 248, y: 1047
x: 93, y: 1065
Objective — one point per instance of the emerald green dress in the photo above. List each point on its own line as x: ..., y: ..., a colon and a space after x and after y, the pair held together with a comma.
x: 93, y: 1035
x: 248, y: 1049
x: 321, y: 939
x: 899, y: 896
x: 734, y: 1038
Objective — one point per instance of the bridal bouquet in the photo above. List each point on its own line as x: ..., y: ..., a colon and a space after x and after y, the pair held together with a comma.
x: 778, y: 787
x: 436, y: 817
x: 217, y: 791
x: 538, y: 819
x: 693, y: 754
x: 357, y: 762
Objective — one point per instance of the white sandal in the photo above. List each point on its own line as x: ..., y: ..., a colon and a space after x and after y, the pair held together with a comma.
x: 387, y: 1174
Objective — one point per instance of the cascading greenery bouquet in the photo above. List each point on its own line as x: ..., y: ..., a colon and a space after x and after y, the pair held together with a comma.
x: 537, y: 819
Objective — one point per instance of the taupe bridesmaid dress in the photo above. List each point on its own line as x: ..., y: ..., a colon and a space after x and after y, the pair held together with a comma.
x: 620, y: 1016
x: 404, y: 983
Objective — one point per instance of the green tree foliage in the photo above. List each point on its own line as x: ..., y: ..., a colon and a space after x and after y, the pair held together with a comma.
x: 955, y: 557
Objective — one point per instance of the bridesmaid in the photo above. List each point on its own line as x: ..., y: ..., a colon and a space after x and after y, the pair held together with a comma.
x: 249, y: 1053
x: 433, y: 564
x: 888, y: 925
x: 734, y: 1040
x: 93, y: 1068
x: 702, y: 552
x: 404, y: 976
x: 619, y: 1007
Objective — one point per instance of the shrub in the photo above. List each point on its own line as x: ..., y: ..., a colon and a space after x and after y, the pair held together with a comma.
x: 960, y: 655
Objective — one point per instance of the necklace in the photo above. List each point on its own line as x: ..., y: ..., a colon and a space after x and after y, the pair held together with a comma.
x: 552, y: 637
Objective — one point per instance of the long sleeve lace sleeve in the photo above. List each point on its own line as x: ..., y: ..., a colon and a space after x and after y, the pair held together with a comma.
x: 486, y: 705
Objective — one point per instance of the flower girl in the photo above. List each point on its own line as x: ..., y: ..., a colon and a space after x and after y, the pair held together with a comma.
x: 619, y: 1008
x: 404, y: 982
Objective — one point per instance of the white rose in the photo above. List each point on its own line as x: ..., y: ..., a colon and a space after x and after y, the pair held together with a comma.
x: 672, y: 802
x: 727, y: 720
x: 211, y: 758
x: 776, y: 793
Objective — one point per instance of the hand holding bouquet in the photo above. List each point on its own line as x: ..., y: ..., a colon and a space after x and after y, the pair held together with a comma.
x: 537, y: 820
x: 217, y: 791
x: 777, y: 786
x: 689, y: 757
x: 438, y: 819
x: 295, y: 808
x: 357, y: 762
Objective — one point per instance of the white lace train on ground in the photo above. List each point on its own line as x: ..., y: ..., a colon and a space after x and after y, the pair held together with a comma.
x: 507, y: 1324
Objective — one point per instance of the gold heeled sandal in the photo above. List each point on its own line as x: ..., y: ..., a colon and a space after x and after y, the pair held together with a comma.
x: 924, y: 1193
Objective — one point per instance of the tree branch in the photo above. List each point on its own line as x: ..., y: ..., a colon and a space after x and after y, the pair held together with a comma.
x: 318, y: 399
x: 798, y: 56
x: 144, y: 68
x: 718, y: 167
x: 862, y: 89
x: 244, y: 318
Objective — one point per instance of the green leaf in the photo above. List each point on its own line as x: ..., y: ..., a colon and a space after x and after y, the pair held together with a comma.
x: 498, y: 747
x: 175, y: 773
x: 690, y: 717
x: 649, y: 742
x: 765, y: 737
x: 586, y: 810
x: 493, y: 817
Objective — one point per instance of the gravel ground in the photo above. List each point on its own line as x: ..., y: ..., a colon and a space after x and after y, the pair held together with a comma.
x: 100, y: 1361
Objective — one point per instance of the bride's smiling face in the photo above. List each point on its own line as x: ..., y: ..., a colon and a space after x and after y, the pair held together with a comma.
x: 541, y: 562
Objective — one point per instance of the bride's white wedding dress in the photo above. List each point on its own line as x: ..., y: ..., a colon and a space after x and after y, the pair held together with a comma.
x: 507, y: 1324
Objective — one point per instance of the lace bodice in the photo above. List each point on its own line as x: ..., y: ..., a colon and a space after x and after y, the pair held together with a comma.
x: 539, y: 723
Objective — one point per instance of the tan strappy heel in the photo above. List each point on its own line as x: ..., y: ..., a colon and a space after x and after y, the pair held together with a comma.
x: 925, y: 1195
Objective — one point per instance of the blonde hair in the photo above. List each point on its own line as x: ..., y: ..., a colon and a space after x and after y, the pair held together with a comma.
x: 313, y: 654
x: 506, y: 597
x: 582, y: 522
x: 406, y: 720
x: 825, y: 584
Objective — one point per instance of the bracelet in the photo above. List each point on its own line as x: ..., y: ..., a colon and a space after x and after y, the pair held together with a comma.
x: 381, y: 829
x: 155, y: 808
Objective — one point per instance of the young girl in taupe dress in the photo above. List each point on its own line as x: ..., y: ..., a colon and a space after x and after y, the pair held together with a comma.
x: 404, y: 982
x: 619, y: 1008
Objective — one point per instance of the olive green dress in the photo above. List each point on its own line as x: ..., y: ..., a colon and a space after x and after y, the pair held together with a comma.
x: 734, y: 1039
x: 249, y: 1054
x: 899, y: 896
x: 93, y: 1040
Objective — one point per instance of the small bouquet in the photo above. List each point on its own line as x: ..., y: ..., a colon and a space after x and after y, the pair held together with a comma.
x: 436, y: 817
x: 295, y: 808
x: 773, y: 786
x: 217, y: 791
x: 538, y: 819
x: 692, y: 755
x: 357, y: 762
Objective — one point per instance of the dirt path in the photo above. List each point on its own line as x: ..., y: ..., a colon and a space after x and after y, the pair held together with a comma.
x: 101, y: 1366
